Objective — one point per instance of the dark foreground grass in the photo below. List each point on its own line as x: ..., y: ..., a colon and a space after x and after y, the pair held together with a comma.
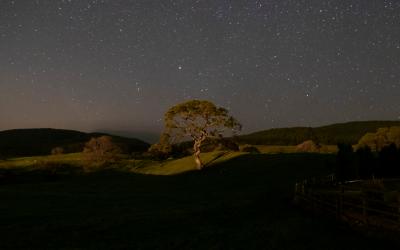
x: 244, y: 203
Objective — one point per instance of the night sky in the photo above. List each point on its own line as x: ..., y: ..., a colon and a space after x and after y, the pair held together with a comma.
x: 118, y: 65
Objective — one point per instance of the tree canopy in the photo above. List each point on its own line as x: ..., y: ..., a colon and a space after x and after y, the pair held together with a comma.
x: 101, y: 150
x: 383, y: 137
x: 198, y: 120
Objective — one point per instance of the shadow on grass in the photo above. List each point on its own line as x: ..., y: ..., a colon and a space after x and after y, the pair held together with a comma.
x: 242, y: 203
x: 285, y: 168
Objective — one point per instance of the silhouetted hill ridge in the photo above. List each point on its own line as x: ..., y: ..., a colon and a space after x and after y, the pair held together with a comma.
x: 349, y: 132
x: 40, y: 141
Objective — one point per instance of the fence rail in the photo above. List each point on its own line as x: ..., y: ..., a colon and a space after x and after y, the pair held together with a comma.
x: 352, y: 202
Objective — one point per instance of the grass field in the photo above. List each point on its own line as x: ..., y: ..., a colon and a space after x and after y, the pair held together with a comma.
x: 273, y: 149
x: 172, y: 167
x: 26, y: 162
x: 241, y: 201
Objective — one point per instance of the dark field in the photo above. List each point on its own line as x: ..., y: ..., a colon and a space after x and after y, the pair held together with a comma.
x: 244, y: 203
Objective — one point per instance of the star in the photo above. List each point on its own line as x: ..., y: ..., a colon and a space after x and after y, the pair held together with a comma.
x: 141, y: 57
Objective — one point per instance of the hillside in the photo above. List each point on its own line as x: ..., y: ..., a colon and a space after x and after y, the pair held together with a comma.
x: 333, y: 134
x: 29, y: 142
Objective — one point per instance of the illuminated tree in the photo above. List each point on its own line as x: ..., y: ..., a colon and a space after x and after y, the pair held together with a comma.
x: 101, y: 150
x: 57, y: 151
x: 198, y: 120
x: 383, y: 137
x: 162, y: 149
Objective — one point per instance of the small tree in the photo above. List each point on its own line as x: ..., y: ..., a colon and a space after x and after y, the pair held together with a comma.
x: 101, y: 150
x: 369, y: 140
x: 162, y: 149
x: 382, y: 138
x: 198, y: 120
x: 57, y: 151
x: 308, y: 146
x: 345, y: 167
x: 389, y: 161
x: 366, y: 163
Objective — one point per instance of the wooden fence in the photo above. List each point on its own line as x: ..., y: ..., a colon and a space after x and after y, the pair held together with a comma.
x: 354, y: 202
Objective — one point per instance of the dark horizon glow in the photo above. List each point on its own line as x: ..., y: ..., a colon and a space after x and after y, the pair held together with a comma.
x: 118, y: 65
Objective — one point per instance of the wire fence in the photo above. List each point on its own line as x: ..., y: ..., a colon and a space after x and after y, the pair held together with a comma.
x: 359, y: 202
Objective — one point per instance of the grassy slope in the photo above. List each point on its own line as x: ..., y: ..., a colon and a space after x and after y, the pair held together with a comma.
x: 272, y: 149
x: 168, y: 167
x: 185, y: 164
x: 242, y: 203
x: 26, y: 162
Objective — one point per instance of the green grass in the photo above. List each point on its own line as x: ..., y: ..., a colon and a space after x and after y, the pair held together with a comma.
x: 240, y: 203
x: 168, y: 167
x: 274, y: 149
x: 26, y: 162
x: 171, y: 167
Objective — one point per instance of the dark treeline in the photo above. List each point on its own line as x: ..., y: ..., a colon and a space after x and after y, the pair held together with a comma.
x: 32, y: 142
x: 348, y: 133
x: 365, y: 164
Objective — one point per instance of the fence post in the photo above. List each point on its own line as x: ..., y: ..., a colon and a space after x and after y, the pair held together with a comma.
x: 398, y: 204
x: 364, y: 207
x: 311, y: 195
x: 341, y: 201
x: 365, y: 210
x: 337, y: 206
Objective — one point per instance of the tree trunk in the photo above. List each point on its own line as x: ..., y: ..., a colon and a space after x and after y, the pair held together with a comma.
x: 196, y: 148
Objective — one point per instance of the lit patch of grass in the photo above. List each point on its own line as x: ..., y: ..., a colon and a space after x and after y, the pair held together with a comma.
x: 242, y: 203
x: 273, y: 149
x: 171, y: 167
x: 27, y: 162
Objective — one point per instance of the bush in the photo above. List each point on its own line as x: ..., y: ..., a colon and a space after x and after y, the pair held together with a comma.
x: 346, y: 167
x: 227, y: 145
x: 52, y: 170
x: 6, y: 175
x: 382, y: 138
x: 250, y: 149
x: 308, y: 147
x: 57, y: 151
x: 160, y: 151
x: 211, y: 145
x: 366, y: 162
x: 101, y: 150
x: 389, y: 161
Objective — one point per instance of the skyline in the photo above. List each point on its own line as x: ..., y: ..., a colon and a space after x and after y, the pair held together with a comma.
x: 119, y: 65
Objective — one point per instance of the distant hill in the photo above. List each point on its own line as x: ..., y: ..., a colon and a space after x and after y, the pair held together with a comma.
x: 333, y: 134
x: 29, y: 142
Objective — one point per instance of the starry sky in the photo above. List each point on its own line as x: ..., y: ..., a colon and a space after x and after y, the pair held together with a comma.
x: 118, y: 65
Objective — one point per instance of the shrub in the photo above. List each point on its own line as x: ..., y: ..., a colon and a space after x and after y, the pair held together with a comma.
x: 227, y: 145
x: 346, y: 167
x: 382, y: 138
x: 101, y: 150
x: 52, y: 170
x: 366, y: 162
x: 389, y: 160
x: 160, y: 151
x: 222, y: 144
x: 250, y: 149
x: 57, y: 151
x: 308, y: 147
